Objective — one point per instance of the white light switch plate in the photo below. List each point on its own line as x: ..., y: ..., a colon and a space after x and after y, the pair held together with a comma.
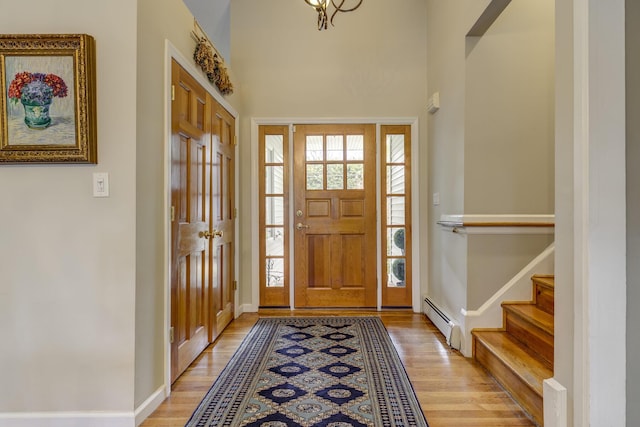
x: 101, y: 184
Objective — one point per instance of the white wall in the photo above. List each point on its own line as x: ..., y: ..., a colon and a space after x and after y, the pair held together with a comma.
x: 564, y: 208
x: 491, y: 142
x: 604, y: 213
x: 493, y: 260
x: 509, y: 113
x: 447, y: 23
x: 215, y: 19
x: 67, y: 259
x: 633, y: 210
x: 371, y: 64
x: 591, y: 225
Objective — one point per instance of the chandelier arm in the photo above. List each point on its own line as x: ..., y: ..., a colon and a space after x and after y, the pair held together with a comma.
x: 320, y: 6
x: 322, y: 19
x: 340, y: 9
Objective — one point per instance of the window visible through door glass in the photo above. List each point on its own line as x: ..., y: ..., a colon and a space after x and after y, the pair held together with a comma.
x: 355, y: 147
x: 334, y: 162
x: 274, y: 179
x: 274, y: 210
x: 335, y: 148
x: 355, y: 176
x: 273, y: 149
x: 275, y: 241
x: 315, y: 174
x: 315, y: 150
x: 335, y: 176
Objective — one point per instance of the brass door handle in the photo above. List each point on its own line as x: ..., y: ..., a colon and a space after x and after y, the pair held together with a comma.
x: 300, y: 226
x: 207, y: 234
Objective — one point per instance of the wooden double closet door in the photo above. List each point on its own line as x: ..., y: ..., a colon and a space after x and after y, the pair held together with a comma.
x: 202, y: 219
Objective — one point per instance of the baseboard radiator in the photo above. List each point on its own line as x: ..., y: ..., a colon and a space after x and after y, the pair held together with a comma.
x: 443, y: 322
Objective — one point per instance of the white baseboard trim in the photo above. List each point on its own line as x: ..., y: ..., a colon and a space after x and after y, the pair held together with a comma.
x: 151, y: 404
x: 67, y: 419
x: 246, y: 308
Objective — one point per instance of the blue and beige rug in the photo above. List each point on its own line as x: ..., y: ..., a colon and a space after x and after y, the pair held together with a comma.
x: 312, y: 372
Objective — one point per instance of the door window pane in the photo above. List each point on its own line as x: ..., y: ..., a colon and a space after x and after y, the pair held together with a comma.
x: 274, y: 180
x: 315, y: 149
x: 395, y: 148
x: 396, y: 273
x: 314, y: 177
x: 335, y: 147
x: 275, y: 272
x: 355, y: 147
x: 395, y: 241
x: 273, y: 152
x: 274, y: 243
x: 395, y: 210
x: 335, y: 177
x: 274, y: 211
x: 395, y: 179
x: 355, y: 176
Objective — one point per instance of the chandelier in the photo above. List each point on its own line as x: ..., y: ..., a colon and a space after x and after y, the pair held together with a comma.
x: 321, y: 7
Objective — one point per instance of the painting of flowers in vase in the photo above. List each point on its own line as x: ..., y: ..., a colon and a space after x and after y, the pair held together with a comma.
x: 40, y: 107
x: 48, y: 98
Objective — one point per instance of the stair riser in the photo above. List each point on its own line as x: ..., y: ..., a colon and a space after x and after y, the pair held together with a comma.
x: 530, y: 401
x: 544, y: 298
x: 531, y: 336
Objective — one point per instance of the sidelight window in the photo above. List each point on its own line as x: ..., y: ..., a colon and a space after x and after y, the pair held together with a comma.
x: 274, y: 252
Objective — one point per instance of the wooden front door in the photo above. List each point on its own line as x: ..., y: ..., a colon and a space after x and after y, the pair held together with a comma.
x: 190, y: 205
x: 223, y: 215
x: 335, y: 216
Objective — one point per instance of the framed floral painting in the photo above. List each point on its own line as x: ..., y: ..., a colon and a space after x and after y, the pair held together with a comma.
x: 48, y: 107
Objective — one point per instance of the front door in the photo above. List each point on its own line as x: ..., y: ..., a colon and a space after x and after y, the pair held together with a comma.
x: 335, y: 216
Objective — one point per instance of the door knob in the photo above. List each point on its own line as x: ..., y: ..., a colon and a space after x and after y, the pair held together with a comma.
x: 207, y: 234
x: 300, y: 226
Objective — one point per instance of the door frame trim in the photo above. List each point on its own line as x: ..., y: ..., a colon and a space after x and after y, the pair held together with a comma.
x: 172, y: 53
x: 415, y: 192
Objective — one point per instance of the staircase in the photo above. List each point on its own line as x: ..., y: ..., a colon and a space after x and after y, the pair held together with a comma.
x: 520, y: 354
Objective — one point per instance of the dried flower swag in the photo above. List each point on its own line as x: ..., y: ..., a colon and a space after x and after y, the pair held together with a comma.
x: 213, y: 66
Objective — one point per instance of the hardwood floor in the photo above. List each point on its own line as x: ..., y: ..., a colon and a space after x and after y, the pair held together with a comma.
x: 454, y: 391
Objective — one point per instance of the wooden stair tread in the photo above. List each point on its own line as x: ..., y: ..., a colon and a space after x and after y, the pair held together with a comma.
x: 527, y: 366
x: 548, y: 281
x: 533, y: 314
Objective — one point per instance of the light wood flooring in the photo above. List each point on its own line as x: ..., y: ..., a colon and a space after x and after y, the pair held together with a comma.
x: 453, y: 390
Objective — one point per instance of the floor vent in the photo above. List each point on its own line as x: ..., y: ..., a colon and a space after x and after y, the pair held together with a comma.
x: 443, y: 322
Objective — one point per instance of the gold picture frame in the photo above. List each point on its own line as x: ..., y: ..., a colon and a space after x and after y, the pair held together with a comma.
x: 48, y: 102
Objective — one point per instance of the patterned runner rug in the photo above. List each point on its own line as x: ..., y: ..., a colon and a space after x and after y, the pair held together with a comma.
x: 312, y: 372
